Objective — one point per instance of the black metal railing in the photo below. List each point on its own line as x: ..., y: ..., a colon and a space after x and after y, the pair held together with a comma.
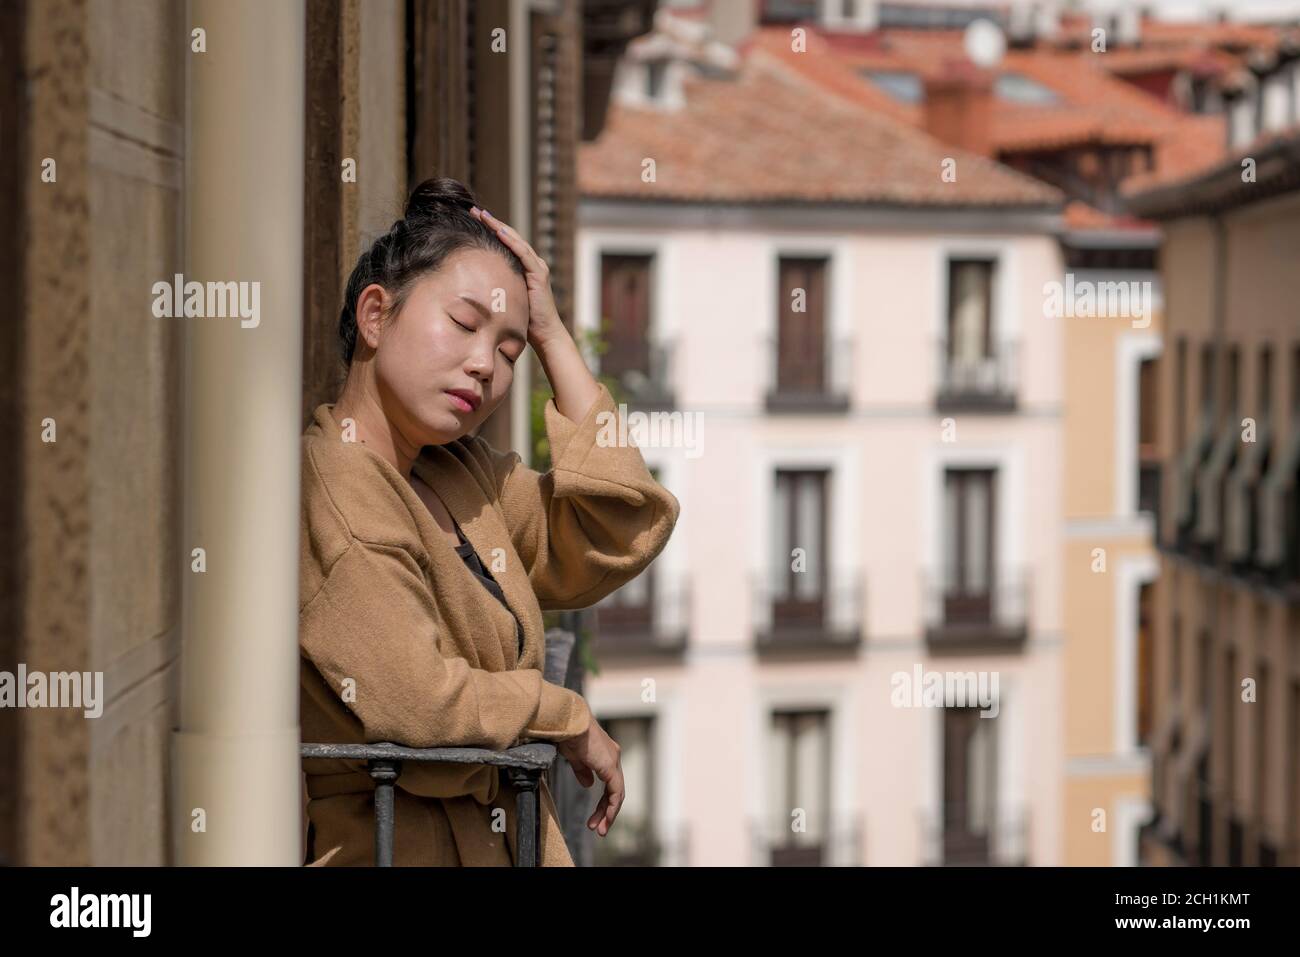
x: 987, y: 383
x: 792, y: 612
x: 523, y: 766
x: 835, y: 844
x: 648, y: 379
x: 653, y: 618
x: 820, y: 384
x: 968, y: 610
x: 951, y: 839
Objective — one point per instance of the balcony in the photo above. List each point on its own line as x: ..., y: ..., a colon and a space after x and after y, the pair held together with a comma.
x: 987, y: 383
x: 959, y: 836
x: 644, y: 619
x: 819, y: 386
x: 640, y: 843
x: 645, y: 375
x: 775, y: 844
x: 820, y: 620
x: 966, y: 615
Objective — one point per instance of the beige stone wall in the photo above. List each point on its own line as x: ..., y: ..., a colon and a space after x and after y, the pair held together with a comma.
x: 102, y: 505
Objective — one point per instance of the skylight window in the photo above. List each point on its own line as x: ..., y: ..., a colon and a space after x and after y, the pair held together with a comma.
x: 902, y: 86
x: 1020, y: 89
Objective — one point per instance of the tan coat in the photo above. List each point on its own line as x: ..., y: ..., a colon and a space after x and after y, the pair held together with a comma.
x: 400, y: 642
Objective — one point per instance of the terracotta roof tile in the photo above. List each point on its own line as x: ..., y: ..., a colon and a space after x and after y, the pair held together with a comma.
x: 770, y: 135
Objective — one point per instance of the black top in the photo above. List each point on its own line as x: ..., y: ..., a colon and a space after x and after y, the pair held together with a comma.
x: 470, y: 557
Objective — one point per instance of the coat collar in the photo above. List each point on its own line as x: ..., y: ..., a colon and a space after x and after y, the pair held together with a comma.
x: 442, y: 469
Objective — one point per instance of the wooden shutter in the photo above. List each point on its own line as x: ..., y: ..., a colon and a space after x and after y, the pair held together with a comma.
x: 625, y: 309
x: 801, y: 343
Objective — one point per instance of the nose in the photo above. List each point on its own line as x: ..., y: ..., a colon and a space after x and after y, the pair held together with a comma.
x: 479, y: 363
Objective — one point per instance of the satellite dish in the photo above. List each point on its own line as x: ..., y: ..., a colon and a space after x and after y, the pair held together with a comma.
x: 984, y: 43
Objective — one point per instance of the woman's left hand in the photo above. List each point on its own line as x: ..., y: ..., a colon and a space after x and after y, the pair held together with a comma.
x: 544, y: 322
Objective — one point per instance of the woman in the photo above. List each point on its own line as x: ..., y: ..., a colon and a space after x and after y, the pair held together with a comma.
x: 428, y: 556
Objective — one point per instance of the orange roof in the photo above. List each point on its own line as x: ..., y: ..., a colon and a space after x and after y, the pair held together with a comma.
x: 770, y: 135
x: 1092, y: 105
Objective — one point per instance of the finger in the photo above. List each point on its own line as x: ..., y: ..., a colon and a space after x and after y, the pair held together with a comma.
x: 516, y: 242
x: 598, y: 815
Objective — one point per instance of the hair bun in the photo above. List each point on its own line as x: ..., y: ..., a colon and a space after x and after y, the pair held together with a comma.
x: 434, y: 196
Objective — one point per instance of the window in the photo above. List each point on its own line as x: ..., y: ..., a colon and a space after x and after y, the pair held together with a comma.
x: 969, y: 340
x: 1207, y: 380
x: 1145, y: 664
x: 1232, y: 398
x: 1020, y: 89
x: 969, y: 783
x: 801, y: 326
x: 655, y: 71
x: 799, y: 522
x: 1176, y: 656
x: 625, y: 318
x: 968, y: 544
x: 631, y: 607
x: 902, y: 86
x: 799, y: 762
x: 1148, y: 450
x: 1180, y: 388
x: 1264, y: 400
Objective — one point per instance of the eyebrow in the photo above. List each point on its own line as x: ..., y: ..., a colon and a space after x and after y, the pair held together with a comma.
x: 510, y: 333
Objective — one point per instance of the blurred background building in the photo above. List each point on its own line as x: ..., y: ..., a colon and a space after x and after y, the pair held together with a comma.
x: 1026, y: 546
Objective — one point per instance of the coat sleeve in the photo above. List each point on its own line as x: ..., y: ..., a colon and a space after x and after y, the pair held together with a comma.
x: 594, y: 521
x: 373, y: 622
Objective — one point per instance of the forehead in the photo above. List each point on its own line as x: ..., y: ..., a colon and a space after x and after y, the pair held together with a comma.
x: 479, y: 273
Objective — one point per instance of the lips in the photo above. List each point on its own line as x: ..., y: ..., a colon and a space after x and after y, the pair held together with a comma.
x: 464, y: 400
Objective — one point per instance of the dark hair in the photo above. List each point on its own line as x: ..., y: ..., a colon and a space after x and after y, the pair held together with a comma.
x: 436, y: 224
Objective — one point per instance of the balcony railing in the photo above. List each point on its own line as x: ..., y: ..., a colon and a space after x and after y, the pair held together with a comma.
x: 951, y: 839
x: 839, y: 844
x: 978, y: 383
x: 649, y: 383
x: 821, y: 387
x: 648, y: 619
x: 973, y: 613
x: 797, y: 616
x: 522, y: 767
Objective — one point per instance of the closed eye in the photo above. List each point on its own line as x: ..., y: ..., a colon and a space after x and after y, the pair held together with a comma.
x: 461, y: 324
x: 509, y: 358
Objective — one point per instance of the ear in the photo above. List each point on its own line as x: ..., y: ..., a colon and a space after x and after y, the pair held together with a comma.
x: 372, y: 305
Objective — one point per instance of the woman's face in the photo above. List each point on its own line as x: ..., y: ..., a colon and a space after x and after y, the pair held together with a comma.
x: 446, y: 359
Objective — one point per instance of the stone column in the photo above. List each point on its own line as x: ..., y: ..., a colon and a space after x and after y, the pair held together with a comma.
x: 236, y: 753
